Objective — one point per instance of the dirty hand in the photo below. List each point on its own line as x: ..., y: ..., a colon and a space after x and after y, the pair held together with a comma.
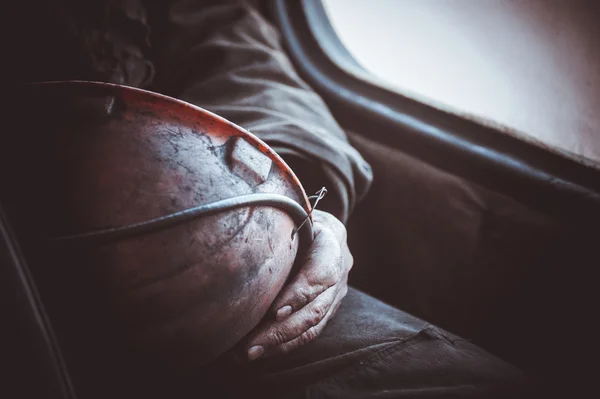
x: 311, y: 298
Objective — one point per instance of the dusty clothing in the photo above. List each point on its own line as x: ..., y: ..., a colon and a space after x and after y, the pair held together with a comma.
x: 219, y: 55
x: 225, y: 57
x: 372, y: 350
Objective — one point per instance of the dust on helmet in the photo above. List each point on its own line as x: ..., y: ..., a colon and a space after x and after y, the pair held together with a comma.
x: 186, y: 225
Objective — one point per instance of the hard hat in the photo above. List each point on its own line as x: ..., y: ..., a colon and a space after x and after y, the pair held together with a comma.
x: 188, y: 222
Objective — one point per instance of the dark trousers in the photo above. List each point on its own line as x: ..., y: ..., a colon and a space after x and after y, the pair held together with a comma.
x: 372, y: 350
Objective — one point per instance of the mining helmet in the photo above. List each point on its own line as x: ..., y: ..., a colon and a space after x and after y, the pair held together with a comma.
x: 190, y: 223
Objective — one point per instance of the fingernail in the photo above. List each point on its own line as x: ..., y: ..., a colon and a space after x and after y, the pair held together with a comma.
x: 255, y: 352
x: 284, y: 312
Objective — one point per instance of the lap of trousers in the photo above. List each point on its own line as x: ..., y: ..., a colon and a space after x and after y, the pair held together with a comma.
x: 372, y: 350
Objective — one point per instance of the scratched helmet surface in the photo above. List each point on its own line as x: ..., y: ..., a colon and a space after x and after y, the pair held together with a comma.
x: 184, y: 287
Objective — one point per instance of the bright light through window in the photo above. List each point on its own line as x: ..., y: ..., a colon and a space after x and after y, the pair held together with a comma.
x: 531, y: 67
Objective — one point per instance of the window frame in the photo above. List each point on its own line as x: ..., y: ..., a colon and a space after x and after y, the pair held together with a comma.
x: 532, y: 174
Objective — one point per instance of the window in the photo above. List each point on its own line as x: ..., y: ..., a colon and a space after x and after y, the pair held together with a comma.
x: 530, y: 68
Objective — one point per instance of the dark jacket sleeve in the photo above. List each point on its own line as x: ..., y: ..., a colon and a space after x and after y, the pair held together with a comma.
x: 228, y: 59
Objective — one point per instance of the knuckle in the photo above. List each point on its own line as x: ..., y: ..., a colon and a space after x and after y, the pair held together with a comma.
x: 301, y: 295
x: 278, y: 336
x: 332, y: 278
x: 317, y: 315
x: 328, y: 238
x: 329, y: 272
x: 305, y: 296
x: 327, y: 221
x: 325, y: 239
x: 324, y: 279
x: 309, y: 335
x: 317, y: 282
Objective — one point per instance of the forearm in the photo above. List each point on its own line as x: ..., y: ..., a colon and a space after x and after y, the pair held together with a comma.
x: 228, y: 59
